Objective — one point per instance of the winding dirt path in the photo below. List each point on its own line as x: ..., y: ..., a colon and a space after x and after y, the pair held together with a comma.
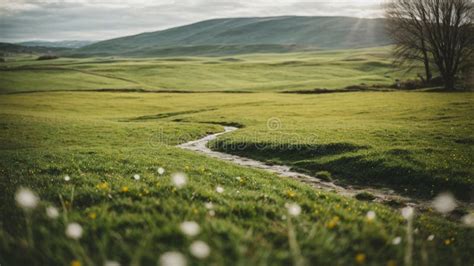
x: 381, y: 195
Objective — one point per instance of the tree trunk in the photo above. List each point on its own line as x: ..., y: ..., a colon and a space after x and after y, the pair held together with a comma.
x: 426, y: 60
x: 429, y: 76
x: 449, y: 82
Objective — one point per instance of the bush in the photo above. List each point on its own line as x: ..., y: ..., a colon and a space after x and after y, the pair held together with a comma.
x: 324, y: 175
x: 417, y: 84
x: 365, y: 196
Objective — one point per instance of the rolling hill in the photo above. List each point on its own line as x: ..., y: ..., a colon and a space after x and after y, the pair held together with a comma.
x: 247, y: 35
x: 9, y: 48
x: 58, y: 44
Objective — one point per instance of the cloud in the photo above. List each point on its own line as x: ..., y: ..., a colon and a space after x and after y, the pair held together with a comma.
x: 102, y: 19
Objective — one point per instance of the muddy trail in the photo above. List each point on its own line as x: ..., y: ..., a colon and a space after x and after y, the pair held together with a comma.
x: 381, y: 195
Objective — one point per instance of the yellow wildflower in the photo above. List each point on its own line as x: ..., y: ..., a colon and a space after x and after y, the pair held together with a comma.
x: 360, y: 258
x: 103, y: 186
x: 334, y: 221
x: 92, y: 215
x: 391, y: 263
x: 75, y: 263
x: 291, y: 193
x: 124, y: 189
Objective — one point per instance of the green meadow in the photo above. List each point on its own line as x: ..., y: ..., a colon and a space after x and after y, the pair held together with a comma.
x: 255, y: 72
x: 416, y: 143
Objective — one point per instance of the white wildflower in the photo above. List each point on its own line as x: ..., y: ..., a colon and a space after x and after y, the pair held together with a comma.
x: 52, y: 212
x: 219, y: 189
x: 468, y: 219
x: 209, y: 205
x: 430, y: 237
x: 444, y: 203
x: 190, y: 228
x: 67, y: 178
x: 397, y: 240
x: 212, y: 213
x: 136, y: 177
x: 371, y: 215
x: 179, y: 180
x: 199, y: 249
x: 408, y: 213
x: 112, y: 263
x: 161, y: 170
x: 26, y: 199
x: 293, y: 209
x: 173, y: 258
x: 74, y: 231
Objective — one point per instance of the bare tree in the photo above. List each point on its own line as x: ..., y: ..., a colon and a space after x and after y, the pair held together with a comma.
x: 408, y: 34
x: 445, y: 28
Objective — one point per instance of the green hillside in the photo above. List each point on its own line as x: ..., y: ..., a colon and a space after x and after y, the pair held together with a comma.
x: 9, y: 48
x: 251, y: 72
x: 243, y: 35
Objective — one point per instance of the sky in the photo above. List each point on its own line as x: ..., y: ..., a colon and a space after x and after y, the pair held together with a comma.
x: 55, y: 20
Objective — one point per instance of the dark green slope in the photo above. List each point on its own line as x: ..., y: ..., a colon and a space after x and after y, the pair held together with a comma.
x: 9, y: 48
x: 223, y: 36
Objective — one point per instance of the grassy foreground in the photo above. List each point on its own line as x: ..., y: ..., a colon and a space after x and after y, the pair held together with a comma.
x: 265, y: 72
x: 102, y: 139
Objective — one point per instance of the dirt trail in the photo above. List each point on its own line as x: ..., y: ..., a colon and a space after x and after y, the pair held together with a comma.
x: 382, y: 195
x: 386, y: 196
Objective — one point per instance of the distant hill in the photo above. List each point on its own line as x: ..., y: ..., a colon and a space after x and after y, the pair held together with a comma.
x: 247, y: 35
x: 9, y: 48
x: 58, y: 44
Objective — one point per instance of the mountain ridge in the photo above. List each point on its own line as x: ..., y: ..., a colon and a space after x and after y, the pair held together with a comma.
x: 56, y: 44
x: 249, y: 32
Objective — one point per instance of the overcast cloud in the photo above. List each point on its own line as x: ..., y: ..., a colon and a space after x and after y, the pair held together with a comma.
x: 22, y: 20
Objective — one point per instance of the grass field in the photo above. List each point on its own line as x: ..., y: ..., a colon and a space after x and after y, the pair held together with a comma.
x: 265, y: 72
x: 418, y: 141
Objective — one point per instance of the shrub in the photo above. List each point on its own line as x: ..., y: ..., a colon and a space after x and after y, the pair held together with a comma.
x: 367, y: 196
x: 324, y: 175
x: 417, y: 84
